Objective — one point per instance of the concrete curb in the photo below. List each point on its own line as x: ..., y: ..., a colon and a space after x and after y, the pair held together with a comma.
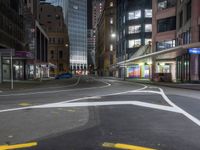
x: 195, y: 87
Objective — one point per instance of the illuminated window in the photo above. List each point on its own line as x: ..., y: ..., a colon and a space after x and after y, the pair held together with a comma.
x: 75, y: 7
x: 134, y: 43
x: 134, y: 29
x: 148, y: 27
x: 111, y: 20
x: 111, y: 4
x: 148, y: 41
x: 148, y: 13
x: 134, y: 15
x: 111, y: 47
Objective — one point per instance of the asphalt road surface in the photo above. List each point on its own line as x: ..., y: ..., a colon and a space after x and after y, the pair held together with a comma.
x: 100, y: 114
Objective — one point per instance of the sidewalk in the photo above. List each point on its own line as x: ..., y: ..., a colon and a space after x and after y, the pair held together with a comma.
x: 34, y: 84
x: 191, y: 86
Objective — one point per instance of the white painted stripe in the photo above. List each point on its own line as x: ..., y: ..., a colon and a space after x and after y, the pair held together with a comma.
x: 189, y: 116
x: 91, y: 104
x: 88, y: 104
x: 74, y: 100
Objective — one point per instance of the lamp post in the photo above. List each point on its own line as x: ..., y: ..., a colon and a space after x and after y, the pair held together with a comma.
x: 125, y: 64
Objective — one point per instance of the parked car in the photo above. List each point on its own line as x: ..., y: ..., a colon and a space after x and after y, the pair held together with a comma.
x: 64, y: 76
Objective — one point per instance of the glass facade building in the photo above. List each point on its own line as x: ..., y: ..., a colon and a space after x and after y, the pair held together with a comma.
x: 77, y: 26
x: 75, y: 13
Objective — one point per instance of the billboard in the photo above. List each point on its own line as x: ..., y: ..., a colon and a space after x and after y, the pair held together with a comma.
x: 134, y: 71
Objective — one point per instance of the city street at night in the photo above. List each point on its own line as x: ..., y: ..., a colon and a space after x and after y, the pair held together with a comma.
x: 98, y: 114
x: 99, y: 74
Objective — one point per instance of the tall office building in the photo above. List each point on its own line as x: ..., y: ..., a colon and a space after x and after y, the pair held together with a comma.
x: 75, y: 14
x: 97, y: 9
x: 76, y: 19
x: 134, y: 27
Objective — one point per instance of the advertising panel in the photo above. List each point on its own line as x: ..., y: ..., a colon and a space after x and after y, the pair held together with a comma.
x: 134, y: 71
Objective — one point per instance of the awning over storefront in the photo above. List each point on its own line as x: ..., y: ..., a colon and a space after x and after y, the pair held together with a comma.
x: 171, y: 53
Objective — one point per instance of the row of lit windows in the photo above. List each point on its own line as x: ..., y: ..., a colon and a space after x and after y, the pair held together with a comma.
x: 137, y: 42
x: 137, y: 28
x: 138, y: 13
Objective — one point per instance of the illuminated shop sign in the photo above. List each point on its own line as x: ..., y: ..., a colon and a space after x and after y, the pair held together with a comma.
x: 134, y: 71
x: 194, y: 50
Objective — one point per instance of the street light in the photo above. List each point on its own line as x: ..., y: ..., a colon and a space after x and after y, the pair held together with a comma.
x: 113, y: 35
x: 66, y: 45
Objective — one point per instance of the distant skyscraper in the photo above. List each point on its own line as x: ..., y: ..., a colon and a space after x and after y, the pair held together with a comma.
x: 75, y: 14
x: 97, y: 9
x: 76, y: 18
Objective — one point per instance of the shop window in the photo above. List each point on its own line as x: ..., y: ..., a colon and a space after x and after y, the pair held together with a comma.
x: 148, y: 27
x: 134, y: 15
x: 134, y: 29
x: 165, y: 45
x: 167, y: 24
x: 148, y: 13
x: 134, y: 43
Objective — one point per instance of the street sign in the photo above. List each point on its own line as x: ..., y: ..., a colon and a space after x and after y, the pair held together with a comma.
x: 7, y: 52
x: 194, y: 51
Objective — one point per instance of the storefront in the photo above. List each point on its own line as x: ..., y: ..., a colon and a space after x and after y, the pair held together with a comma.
x: 188, y: 66
x: 21, y: 71
x: 139, y: 71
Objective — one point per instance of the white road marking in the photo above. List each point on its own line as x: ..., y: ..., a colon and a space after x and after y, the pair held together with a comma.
x: 90, y: 104
x: 189, y: 116
x: 162, y: 93
x: 73, y: 100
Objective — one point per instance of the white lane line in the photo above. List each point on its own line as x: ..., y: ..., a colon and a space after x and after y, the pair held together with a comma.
x: 73, y: 100
x: 92, y: 104
x: 57, y: 91
x: 108, y: 103
x: 189, y: 116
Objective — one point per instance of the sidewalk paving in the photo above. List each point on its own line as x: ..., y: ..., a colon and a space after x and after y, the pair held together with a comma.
x: 35, y: 84
x: 191, y: 86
